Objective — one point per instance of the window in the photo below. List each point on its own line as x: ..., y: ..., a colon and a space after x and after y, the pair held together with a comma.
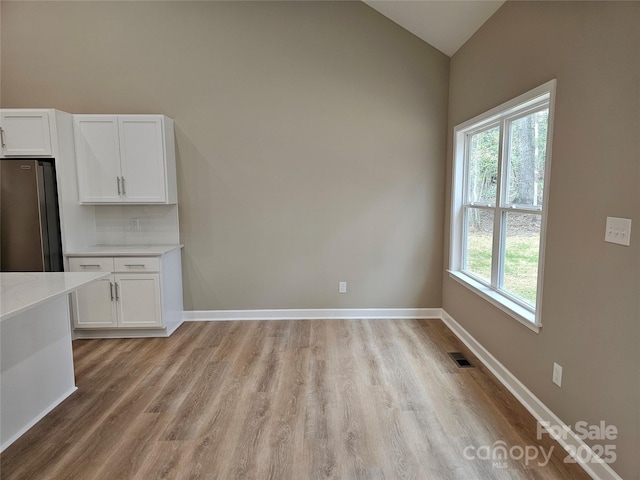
x: 498, y: 214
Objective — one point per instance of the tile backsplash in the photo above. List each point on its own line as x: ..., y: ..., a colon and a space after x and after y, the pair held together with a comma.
x: 137, y: 224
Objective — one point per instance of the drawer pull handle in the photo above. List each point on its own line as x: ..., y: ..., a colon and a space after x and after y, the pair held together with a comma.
x: 89, y: 266
x: 134, y: 265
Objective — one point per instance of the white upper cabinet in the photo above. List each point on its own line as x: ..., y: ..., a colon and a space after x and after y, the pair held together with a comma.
x: 25, y: 133
x: 125, y: 159
x: 97, y: 158
x: 142, y: 159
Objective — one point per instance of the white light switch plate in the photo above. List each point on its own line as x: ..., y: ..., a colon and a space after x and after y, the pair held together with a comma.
x: 618, y: 230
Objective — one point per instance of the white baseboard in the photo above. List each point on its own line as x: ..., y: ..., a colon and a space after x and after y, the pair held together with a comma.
x: 312, y: 314
x: 542, y: 413
x: 79, y: 334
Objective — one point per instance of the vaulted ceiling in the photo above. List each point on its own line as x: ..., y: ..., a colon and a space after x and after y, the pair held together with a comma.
x: 444, y: 24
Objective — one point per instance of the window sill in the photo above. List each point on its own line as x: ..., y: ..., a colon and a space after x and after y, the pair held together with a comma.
x: 519, y: 313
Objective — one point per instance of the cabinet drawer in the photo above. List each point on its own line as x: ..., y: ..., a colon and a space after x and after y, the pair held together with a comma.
x: 91, y: 264
x: 137, y: 264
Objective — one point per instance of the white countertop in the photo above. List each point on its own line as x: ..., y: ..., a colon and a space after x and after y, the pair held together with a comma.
x: 21, y: 291
x: 123, y: 250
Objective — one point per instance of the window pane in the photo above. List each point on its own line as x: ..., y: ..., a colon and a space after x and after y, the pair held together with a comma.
x: 522, y: 248
x: 527, y: 152
x: 483, y: 166
x: 478, y: 242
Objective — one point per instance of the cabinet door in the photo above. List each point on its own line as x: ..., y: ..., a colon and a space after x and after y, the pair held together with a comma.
x: 98, y: 158
x: 25, y: 133
x: 93, y: 305
x: 138, y: 300
x: 143, y: 158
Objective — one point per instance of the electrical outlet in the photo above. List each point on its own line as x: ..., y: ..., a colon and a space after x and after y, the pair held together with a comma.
x: 342, y: 287
x: 557, y: 374
x: 618, y: 231
x: 135, y: 224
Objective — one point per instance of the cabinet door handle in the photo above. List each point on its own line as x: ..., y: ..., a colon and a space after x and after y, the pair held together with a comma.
x: 4, y: 144
x: 117, y: 292
x: 124, y: 192
x: 118, y: 180
x: 111, y: 290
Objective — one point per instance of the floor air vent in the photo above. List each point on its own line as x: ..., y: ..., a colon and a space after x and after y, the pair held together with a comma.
x: 460, y: 360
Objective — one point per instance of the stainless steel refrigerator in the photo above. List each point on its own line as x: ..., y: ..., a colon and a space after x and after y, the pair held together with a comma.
x: 29, y: 217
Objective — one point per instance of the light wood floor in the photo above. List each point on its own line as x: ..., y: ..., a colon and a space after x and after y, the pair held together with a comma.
x: 281, y: 400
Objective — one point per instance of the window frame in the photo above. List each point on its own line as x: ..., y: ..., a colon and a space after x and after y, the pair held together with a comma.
x: 502, y: 116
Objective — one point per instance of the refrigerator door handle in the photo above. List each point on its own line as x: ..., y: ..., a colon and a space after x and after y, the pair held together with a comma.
x: 42, y: 205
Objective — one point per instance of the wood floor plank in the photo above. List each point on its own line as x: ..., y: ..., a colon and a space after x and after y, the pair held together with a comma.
x: 89, y: 452
x: 282, y: 400
x: 397, y: 371
x: 320, y: 429
x: 400, y: 460
x: 178, y: 387
x: 200, y: 397
x: 285, y: 428
x: 215, y: 435
x: 129, y: 455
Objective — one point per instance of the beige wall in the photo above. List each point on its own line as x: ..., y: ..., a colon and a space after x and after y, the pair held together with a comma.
x: 310, y: 136
x: 590, y: 311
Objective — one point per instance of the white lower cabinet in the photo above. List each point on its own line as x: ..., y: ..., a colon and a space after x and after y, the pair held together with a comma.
x: 138, y: 300
x: 129, y: 298
x: 94, y: 305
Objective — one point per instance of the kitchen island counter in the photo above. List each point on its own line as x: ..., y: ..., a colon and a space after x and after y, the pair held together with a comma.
x: 22, y: 291
x: 36, y: 357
